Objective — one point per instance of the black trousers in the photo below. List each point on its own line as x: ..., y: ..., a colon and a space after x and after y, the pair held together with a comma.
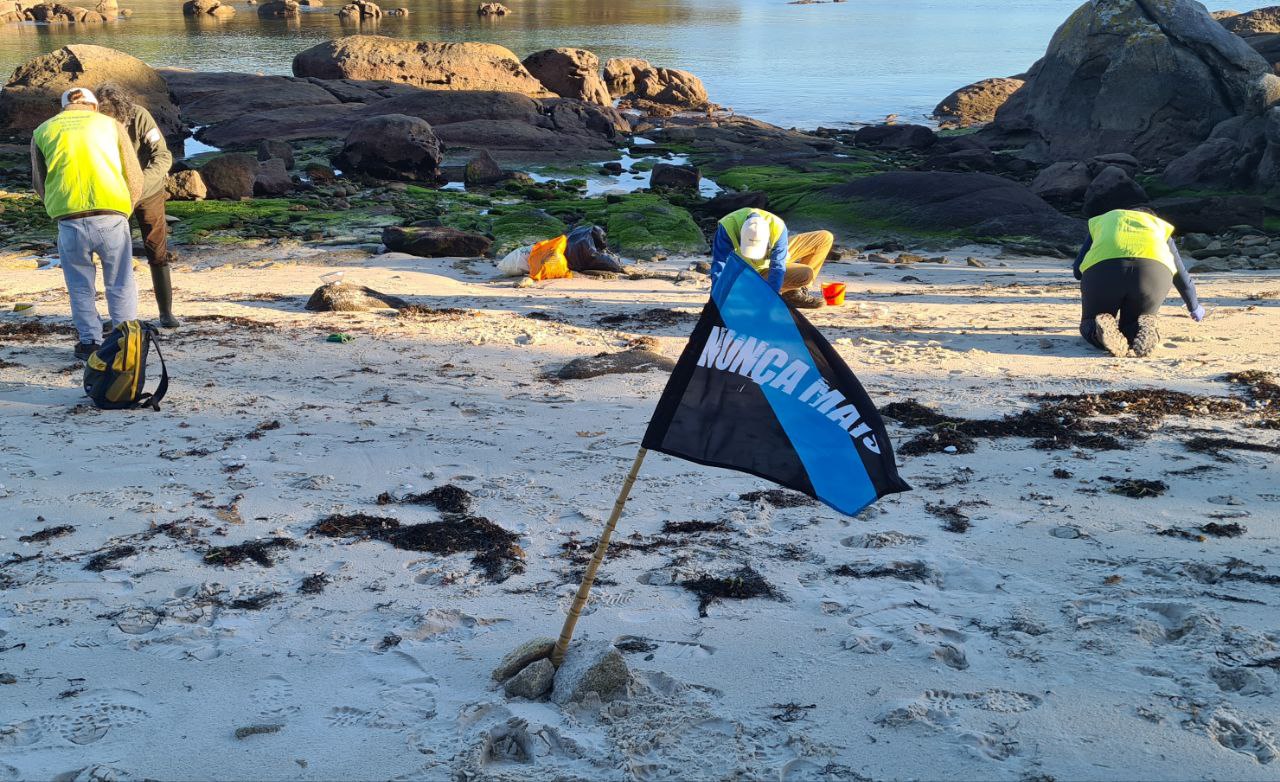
x: 1125, y: 287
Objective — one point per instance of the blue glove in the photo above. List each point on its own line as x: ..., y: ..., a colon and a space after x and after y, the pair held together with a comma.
x: 1197, y: 314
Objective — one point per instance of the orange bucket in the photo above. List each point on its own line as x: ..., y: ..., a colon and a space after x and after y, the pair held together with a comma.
x: 833, y: 292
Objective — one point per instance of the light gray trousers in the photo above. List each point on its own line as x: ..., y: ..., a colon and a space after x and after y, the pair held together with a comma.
x: 108, y: 236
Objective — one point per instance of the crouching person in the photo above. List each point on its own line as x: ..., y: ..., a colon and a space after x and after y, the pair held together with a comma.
x: 1126, y: 268
x: 84, y: 168
x: 789, y: 263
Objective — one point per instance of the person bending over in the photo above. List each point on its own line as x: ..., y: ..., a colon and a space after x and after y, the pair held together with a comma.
x: 789, y: 263
x: 1126, y: 268
x: 84, y: 169
x: 156, y: 160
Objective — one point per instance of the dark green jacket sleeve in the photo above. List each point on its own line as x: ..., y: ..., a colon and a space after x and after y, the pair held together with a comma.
x: 153, y: 152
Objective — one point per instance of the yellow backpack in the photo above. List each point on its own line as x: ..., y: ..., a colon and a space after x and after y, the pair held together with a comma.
x: 116, y: 372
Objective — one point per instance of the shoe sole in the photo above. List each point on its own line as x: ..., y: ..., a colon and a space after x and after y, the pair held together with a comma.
x: 1147, y: 339
x: 1108, y: 333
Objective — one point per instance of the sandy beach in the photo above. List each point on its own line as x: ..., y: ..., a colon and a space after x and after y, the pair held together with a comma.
x: 1024, y: 614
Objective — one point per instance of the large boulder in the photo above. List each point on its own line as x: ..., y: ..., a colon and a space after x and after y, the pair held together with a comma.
x: 1211, y: 214
x: 57, y: 13
x: 272, y: 178
x: 435, y: 241
x: 31, y: 96
x: 570, y: 73
x: 1255, y: 22
x: 360, y: 11
x: 482, y: 169
x: 426, y: 64
x: 977, y: 103
x: 270, y: 148
x: 213, y: 8
x: 1151, y: 77
x: 674, y: 177
x: 895, y: 137
x: 1111, y: 189
x: 393, y: 146
x: 1207, y: 166
x: 280, y: 9
x: 501, y: 122
x: 973, y: 204
x: 231, y: 176
x: 1062, y: 183
x: 207, y: 98
x: 631, y: 79
x: 186, y: 186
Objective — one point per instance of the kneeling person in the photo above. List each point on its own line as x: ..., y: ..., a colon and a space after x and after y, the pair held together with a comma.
x: 789, y: 263
x: 1126, y: 268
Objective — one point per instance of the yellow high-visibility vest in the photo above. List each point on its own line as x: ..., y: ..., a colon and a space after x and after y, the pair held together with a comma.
x: 732, y: 224
x: 1122, y: 233
x: 85, y: 173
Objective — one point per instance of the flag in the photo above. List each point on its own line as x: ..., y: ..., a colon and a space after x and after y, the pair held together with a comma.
x: 760, y: 391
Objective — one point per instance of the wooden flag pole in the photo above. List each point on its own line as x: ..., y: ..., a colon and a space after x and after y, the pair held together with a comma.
x: 588, y: 578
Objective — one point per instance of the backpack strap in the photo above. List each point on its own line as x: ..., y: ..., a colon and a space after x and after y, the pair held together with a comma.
x: 152, y: 400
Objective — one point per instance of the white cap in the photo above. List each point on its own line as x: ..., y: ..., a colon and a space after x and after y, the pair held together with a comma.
x: 82, y: 95
x: 754, y: 242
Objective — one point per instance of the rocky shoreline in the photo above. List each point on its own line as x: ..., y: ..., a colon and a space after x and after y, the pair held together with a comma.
x: 374, y: 132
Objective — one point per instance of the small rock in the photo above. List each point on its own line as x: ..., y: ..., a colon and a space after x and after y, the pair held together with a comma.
x: 614, y: 364
x: 533, y: 682
x: 975, y: 263
x: 521, y: 656
x: 1226, y: 499
x: 254, y: 730
x: 590, y: 667
x: 340, y: 297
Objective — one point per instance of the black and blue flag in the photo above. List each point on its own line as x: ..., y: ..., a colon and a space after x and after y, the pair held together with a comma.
x: 759, y: 390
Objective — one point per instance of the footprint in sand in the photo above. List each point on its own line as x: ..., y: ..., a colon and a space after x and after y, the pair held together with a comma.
x: 1243, y: 735
x: 89, y: 721
x: 1000, y: 701
x: 274, y: 695
x: 655, y: 649
x: 888, y: 539
x: 951, y: 656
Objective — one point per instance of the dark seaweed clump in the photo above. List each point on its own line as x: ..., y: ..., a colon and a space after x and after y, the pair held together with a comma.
x: 435, y: 313
x: 107, y: 560
x: 655, y: 317
x: 694, y: 527
x: 903, y: 571
x: 778, y: 498
x: 1060, y: 421
x: 1216, y: 445
x: 353, y: 525
x: 1212, y: 529
x: 263, y: 428
x: 497, y: 554
x: 1137, y: 488
x: 446, y: 499
x: 953, y: 519
x: 32, y: 330
x: 258, y: 551
x: 742, y: 584
x: 313, y: 584
x: 938, y: 441
x: 254, y: 603
x: 48, y: 533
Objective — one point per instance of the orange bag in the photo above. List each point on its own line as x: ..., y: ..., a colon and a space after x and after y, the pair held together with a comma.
x: 547, y: 260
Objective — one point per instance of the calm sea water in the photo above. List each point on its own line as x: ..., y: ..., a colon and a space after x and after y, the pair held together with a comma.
x: 795, y: 65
